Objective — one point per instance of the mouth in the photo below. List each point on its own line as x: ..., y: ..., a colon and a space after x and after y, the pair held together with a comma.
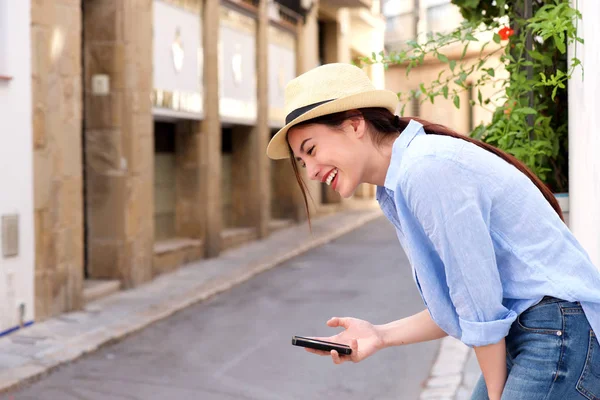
x: 331, y: 176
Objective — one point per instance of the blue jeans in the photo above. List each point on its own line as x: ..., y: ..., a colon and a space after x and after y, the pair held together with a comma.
x: 551, y: 354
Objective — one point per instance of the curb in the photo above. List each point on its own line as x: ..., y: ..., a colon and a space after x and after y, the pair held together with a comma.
x: 447, y: 375
x: 13, y: 378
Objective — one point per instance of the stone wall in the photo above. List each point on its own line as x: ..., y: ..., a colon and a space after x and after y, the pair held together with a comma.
x: 56, y: 98
x: 244, y: 180
x: 189, y: 213
x: 119, y: 140
x: 286, y: 198
x: 98, y: 149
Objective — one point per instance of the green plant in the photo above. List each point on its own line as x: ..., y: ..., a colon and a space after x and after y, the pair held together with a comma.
x: 529, y: 107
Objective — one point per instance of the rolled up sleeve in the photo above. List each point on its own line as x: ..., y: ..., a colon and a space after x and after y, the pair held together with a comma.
x: 454, y: 212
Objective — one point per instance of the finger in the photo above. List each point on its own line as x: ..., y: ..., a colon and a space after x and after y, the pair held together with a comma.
x: 337, y: 321
x: 354, y: 347
x: 317, y: 352
x: 336, y: 357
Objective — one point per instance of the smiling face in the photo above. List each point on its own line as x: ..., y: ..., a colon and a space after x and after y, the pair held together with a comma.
x: 334, y: 155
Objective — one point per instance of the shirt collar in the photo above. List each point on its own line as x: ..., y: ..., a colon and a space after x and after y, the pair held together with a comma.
x: 412, y: 130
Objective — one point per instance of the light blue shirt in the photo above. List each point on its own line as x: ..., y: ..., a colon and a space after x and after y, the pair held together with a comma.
x: 483, y: 242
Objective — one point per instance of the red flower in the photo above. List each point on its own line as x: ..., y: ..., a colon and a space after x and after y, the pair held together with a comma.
x: 505, y: 33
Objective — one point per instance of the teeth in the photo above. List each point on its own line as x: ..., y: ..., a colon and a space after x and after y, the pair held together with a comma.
x: 331, y: 176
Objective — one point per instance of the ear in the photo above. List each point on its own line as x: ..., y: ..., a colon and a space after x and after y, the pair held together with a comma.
x: 358, y: 127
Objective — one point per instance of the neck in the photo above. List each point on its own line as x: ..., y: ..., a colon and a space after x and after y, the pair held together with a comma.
x: 378, y: 162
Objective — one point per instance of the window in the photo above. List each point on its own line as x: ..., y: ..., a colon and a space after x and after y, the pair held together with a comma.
x: 165, y: 167
x: 443, y: 18
x: 415, y: 107
x: 399, y: 29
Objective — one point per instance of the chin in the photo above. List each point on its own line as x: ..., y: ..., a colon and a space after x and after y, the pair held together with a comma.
x: 346, y: 194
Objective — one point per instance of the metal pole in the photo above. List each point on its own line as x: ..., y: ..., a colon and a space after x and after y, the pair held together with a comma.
x: 528, y: 47
x: 416, y: 11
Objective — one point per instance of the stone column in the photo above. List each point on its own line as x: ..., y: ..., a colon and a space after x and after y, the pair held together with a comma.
x: 261, y: 133
x: 337, y: 39
x: 307, y: 58
x: 337, y: 49
x: 244, y: 186
x: 189, y: 215
x: 119, y: 140
x: 286, y: 196
x: 210, y: 178
x: 57, y: 160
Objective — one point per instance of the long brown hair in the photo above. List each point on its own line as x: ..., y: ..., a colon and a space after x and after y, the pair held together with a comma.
x: 385, y: 125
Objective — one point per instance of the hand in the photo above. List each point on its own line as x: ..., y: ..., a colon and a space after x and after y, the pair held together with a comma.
x: 363, y: 338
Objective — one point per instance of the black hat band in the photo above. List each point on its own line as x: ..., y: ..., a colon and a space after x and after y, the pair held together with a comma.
x: 303, y: 110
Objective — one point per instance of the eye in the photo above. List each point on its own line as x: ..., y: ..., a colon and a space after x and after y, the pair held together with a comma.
x: 311, y: 151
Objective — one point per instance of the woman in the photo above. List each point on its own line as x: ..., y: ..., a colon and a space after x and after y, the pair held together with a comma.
x: 491, y: 256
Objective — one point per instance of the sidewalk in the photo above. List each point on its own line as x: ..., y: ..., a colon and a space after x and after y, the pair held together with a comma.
x: 34, y: 351
x: 454, y: 373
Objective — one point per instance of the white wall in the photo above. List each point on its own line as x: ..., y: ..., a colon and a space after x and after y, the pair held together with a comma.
x: 16, y: 164
x: 584, y: 137
x: 397, y: 7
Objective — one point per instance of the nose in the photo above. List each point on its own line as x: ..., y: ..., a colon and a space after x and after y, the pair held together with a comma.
x: 312, y: 171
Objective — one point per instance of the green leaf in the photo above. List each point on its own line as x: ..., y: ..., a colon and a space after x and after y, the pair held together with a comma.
x: 527, y: 111
x: 442, y: 58
x: 464, y: 52
x: 536, y: 55
x: 452, y: 65
x: 497, y: 38
x: 457, y: 101
x: 479, y: 97
x: 560, y: 45
x: 413, y: 44
x: 471, y: 38
x: 491, y: 72
x: 445, y: 91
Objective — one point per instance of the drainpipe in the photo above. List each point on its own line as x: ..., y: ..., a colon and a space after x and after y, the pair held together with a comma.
x: 527, y: 14
x: 416, y: 11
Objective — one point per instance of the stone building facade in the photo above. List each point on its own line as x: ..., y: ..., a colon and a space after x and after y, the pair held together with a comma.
x: 150, y: 125
x: 56, y: 76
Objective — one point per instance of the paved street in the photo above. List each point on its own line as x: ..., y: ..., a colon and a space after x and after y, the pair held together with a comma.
x: 237, y: 344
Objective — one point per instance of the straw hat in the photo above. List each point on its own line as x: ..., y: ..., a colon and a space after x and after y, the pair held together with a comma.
x: 327, y: 89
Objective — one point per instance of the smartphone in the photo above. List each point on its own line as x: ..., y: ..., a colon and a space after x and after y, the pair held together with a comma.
x: 321, y: 345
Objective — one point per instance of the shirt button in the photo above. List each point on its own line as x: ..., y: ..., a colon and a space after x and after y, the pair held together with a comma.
x: 558, y: 333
